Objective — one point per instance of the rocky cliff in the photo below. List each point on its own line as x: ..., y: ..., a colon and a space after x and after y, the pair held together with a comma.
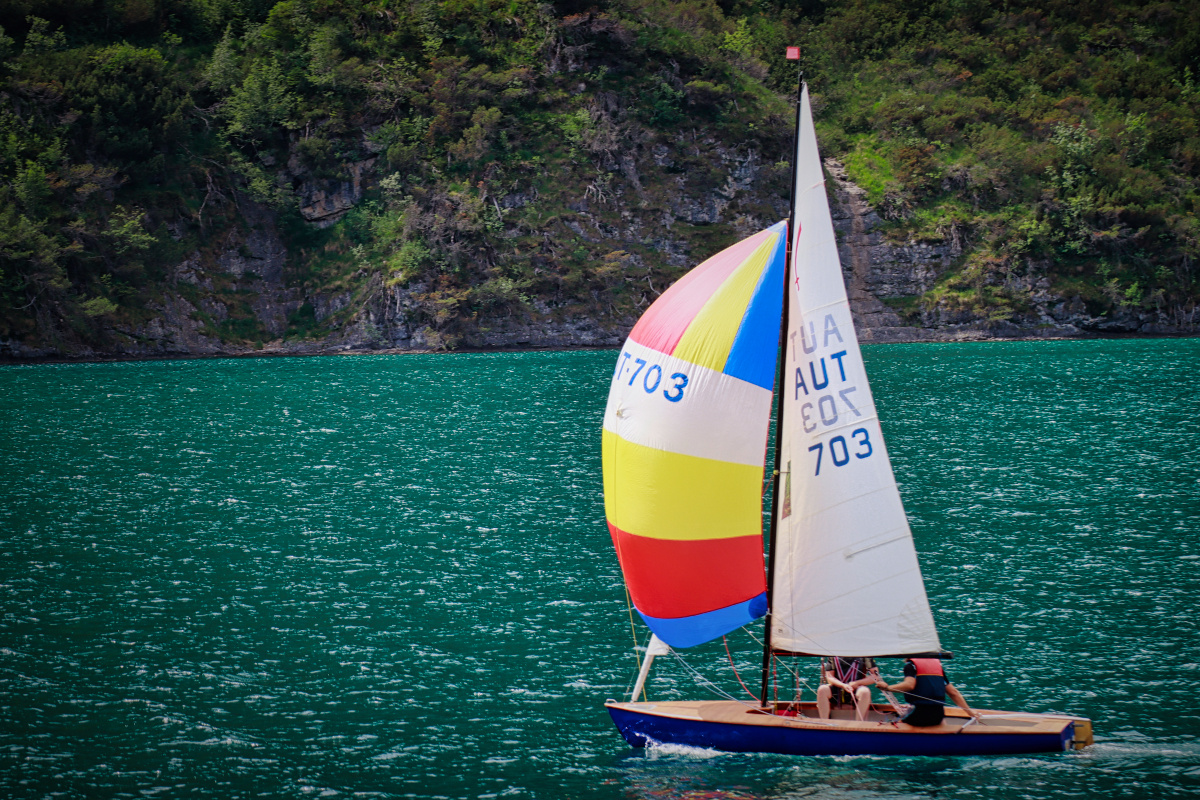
x: 878, y: 269
x: 245, y: 281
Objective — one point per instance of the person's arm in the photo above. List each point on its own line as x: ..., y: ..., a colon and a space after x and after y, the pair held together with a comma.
x: 906, y: 685
x: 871, y: 679
x: 960, y: 701
x: 832, y: 680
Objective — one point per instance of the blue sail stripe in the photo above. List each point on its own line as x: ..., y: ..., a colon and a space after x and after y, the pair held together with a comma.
x: 701, y: 628
x: 753, y: 354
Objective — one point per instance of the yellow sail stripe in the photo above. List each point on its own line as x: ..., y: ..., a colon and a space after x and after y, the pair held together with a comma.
x: 709, y: 337
x: 662, y: 495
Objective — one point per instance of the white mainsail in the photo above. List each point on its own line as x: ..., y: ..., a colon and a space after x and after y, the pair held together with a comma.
x: 846, y: 577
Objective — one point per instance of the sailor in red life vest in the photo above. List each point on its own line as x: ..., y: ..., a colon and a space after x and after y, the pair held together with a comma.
x: 925, y: 687
x: 846, y: 681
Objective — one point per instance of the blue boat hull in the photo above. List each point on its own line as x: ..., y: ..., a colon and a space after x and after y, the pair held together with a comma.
x: 641, y: 728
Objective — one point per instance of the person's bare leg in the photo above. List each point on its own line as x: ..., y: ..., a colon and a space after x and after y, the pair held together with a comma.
x: 823, y: 695
x: 862, y: 702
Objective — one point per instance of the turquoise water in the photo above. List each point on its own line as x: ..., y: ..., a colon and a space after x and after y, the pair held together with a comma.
x: 389, y: 576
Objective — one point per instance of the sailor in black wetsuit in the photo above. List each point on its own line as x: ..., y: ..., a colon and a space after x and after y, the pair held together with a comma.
x: 925, y: 687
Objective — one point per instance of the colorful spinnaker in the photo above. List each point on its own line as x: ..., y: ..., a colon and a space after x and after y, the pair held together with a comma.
x: 685, y: 436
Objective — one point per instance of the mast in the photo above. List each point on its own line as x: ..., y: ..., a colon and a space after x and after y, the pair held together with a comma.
x: 793, y: 54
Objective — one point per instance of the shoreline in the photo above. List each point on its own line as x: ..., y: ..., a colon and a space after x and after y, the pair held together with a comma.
x: 267, y: 351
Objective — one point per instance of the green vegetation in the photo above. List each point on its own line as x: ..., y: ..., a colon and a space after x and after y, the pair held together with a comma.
x: 1051, y: 139
x: 508, y: 155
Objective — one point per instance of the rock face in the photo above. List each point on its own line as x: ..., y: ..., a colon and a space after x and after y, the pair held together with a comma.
x: 876, y: 270
x: 565, y: 331
x: 741, y: 175
x: 324, y: 202
x: 249, y: 265
x: 240, y: 289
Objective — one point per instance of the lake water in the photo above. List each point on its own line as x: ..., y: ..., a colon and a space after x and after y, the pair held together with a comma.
x: 389, y: 576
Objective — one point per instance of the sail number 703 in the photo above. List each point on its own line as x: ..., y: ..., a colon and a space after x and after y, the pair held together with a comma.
x: 650, y: 377
x: 839, y: 450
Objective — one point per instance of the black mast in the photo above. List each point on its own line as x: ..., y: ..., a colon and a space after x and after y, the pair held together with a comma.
x: 792, y: 54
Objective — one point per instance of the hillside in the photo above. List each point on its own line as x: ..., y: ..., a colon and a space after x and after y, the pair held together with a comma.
x: 202, y: 176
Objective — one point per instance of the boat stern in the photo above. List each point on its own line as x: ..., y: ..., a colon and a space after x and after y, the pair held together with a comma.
x: 1082, y: 733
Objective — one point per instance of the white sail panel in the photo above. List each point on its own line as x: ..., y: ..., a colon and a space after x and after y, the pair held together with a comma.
x: 733, y: 415
x: 846, y: 577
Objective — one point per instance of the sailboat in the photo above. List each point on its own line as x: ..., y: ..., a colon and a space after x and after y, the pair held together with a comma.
x: 685, y: 440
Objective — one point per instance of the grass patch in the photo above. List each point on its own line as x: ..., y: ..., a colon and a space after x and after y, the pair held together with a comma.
x: 868, y: 167
x: 908, y: 308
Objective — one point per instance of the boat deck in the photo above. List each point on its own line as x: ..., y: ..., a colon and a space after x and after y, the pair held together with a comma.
x: 732, y: 716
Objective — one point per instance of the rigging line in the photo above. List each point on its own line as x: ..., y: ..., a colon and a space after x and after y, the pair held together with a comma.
x: 633, y: 632
x: 628, y: 596
x: 632, y: 627
x: 699, y: 678
x: 759, y: 642
x: 798, y: 633
x: 799, y: 681
x: 725, y: 640
x: 892, y: 701
x: 794, y: 670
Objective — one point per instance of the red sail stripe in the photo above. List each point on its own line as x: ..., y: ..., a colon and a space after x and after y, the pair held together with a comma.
x: 671, y: 578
